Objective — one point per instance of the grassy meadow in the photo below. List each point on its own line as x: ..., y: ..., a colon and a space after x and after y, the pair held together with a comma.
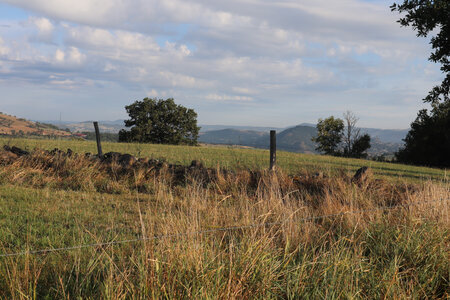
x: 56, y: 201
x: 235, y: 158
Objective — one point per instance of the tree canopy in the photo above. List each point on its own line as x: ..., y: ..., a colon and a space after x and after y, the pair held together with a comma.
x: 335, y: 138
x: 431, y: 16
x: 329, y: 135
x: 160, y: 122
x: 428, y: 141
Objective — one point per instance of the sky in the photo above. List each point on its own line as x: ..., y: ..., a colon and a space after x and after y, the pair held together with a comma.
x: 235, y: 62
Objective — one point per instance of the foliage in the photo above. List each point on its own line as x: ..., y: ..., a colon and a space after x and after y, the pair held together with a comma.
x: 426, y: 17
x: 355, y: 144
x: 329, y: 135
x: 160, y: 122
x: 335, y: 138
x: 428, y: 141
x: 359, y: 146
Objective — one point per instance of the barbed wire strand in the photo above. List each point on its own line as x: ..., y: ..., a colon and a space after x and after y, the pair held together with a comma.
x: 200, y: 232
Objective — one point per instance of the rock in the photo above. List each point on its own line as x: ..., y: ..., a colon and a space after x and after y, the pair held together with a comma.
x: 56, y: 151
x: 111, y: 156
x: 196, y: 164
x: 125, y: 160
x: 362, y: 174
x: 17, y: 151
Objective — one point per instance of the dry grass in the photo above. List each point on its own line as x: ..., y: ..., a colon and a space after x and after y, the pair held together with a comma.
x: 49, y: 201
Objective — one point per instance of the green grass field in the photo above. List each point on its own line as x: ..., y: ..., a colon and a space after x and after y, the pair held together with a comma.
x: 49, y: 202
x: 234, y: 158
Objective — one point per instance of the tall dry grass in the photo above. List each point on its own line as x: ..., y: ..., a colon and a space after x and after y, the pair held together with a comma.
x: 401, y: 252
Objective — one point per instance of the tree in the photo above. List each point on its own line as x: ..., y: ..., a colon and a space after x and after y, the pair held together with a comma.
x: 351, y: 132
x: 329, y: 135
x: 160, y: 122
x: 430, y: 16
x: 335, y: 138
x: 360, y: 146
x: 355, y: 144
x: 428, y: 141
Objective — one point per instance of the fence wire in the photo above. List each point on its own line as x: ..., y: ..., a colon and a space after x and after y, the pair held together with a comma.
x: 222, y: 229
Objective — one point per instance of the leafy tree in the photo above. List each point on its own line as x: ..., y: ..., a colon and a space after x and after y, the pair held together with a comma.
x: 160, y: 122
x: 329, y: 135
x: 359, y: 146
x: 428, y: 142
x: 335, y: 138
x: 431, y: 16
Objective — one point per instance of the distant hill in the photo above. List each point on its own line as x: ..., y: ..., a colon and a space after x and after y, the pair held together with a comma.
x: 384, y: 135
x: 235, y: 137
x: 87, y: 126
x: 11, y: 125
x: 117, y: 125
x: 205, y: 128
x: 295, y: 139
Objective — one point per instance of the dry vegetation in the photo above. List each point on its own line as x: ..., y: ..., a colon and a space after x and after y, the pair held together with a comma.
x: 11, y: 125
x: 52, y: 200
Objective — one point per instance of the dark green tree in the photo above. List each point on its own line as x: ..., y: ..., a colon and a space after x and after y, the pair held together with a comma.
x: 360, y: 146
x: 329, y: 135
x: 428, y: 142
x: 160, y: 122
x: 335, y: 138
x: 431, y: 16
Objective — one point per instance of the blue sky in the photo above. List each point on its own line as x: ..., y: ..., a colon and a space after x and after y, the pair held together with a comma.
x: 246, y: 62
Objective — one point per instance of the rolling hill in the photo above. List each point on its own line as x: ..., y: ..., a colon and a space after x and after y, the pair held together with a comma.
x: 294, y: 139
x: 11, y: 125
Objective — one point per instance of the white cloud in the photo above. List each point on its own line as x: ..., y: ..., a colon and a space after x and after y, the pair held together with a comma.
x: 4, y: 50
x: 236, y: 51
x: 45, y: 28
x: 71, y: 56
x: 59, y: 55
x: 216, y: 97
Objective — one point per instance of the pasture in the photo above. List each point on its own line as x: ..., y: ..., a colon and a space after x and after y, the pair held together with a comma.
x: 235, y: 158
x: 110, y: 231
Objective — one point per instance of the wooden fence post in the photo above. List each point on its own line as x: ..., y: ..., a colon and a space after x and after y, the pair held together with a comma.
x: 273, y: 149
x: 97, y: 135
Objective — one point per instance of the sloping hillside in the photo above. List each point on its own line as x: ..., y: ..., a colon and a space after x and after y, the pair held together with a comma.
x: 394, y: 136
x: 235, y: 137
x: 294, y: 139
x: 297, y: 139
x: 11, y: 125
x: 104, y: 126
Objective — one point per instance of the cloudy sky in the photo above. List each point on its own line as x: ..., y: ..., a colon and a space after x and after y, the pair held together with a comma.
x: 241, y: 62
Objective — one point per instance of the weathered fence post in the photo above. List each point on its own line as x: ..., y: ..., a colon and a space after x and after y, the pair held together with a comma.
x: 97, y: 135
x: 273, y: 149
